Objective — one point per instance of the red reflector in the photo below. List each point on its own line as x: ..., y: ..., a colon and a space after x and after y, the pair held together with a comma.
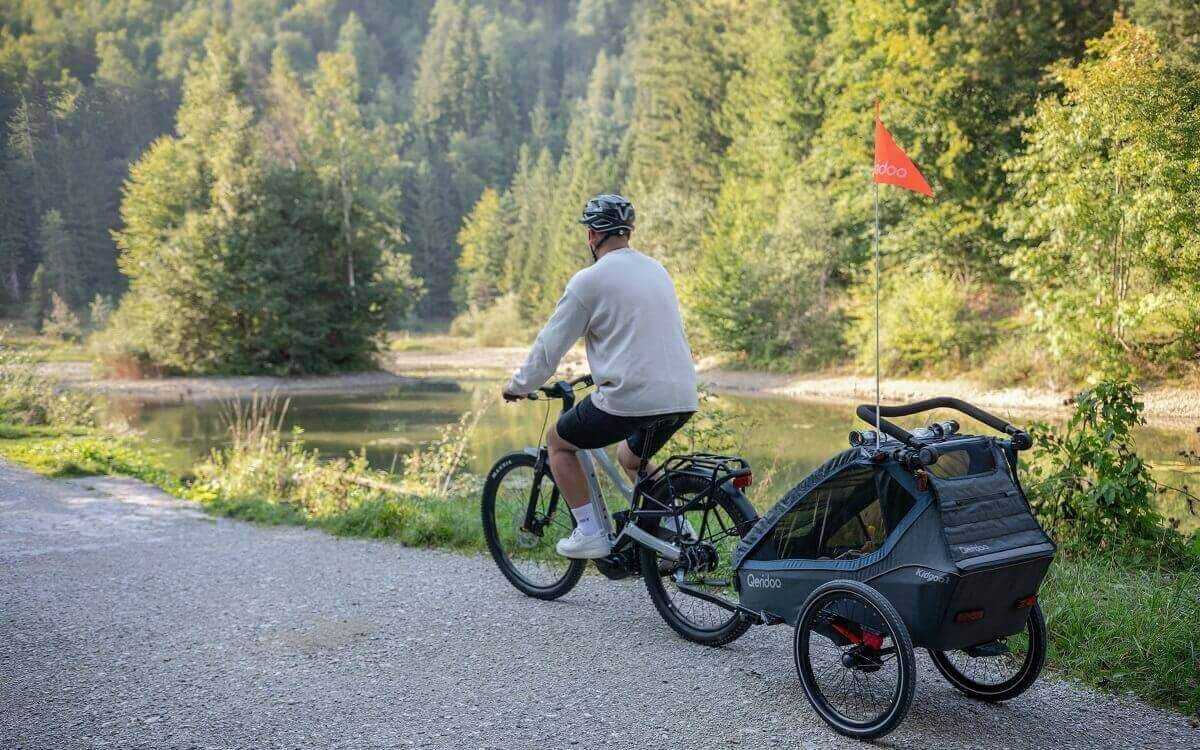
x: 969, y: 615
x: 1027, y: 602
x: 743, y: 481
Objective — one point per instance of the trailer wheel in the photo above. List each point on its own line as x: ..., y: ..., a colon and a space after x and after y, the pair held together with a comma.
x: 855, y: 659
x: 1001, y: 670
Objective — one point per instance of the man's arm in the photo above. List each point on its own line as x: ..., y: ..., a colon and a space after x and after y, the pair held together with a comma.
x: 564, y: 328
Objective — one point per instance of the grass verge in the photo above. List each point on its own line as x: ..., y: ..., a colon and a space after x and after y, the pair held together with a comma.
x: 1126, y: 628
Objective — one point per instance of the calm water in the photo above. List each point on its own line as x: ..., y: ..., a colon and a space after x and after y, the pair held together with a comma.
x: 782, y: 438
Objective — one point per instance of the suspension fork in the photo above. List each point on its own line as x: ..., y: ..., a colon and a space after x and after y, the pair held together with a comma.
x: 540, y: 471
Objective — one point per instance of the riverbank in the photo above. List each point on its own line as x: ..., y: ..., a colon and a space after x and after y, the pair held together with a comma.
x: 438, y: 367
x: 79, y: 375
x: 1168, y: 406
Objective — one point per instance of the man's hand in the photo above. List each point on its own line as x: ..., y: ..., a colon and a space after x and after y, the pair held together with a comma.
x: 510, y: 397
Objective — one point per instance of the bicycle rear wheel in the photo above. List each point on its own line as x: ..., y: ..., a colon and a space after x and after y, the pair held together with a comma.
x: 719, y: 527
x: 526, y: 554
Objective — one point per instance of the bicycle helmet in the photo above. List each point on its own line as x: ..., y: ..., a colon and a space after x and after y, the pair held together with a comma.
x: 608, y: 213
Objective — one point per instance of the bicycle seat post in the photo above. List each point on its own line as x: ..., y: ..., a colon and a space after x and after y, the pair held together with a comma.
x: 645, y: 459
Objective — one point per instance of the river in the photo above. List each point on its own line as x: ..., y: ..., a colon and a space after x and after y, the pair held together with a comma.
x: 784, y: 439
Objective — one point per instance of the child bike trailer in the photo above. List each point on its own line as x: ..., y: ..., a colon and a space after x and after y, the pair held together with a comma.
x: 903, y: 541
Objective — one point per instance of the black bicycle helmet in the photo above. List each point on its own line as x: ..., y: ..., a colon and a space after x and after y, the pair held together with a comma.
x: 608, y: 213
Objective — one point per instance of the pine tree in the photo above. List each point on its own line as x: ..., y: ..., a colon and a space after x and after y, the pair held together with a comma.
x: 62, y: 265
x: 481, y: 264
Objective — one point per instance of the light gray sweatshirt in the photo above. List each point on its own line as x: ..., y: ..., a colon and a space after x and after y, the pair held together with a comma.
x: 624, y: 306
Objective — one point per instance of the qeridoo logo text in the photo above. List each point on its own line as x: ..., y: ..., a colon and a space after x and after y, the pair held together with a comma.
x: 890, y: 170
x: 763, y: 582
x: 973, y: 548
x: 930, y: 575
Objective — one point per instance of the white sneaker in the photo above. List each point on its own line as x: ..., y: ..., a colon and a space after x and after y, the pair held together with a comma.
x: 580, y: 546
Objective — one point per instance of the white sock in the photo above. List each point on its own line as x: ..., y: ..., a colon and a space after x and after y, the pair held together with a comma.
x: 585, y: 517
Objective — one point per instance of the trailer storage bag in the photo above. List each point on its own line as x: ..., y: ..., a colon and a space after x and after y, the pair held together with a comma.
x: 986, y: 518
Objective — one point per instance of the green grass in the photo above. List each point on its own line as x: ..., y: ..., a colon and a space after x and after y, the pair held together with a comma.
x: 75, y: 453
x: 1126, y: 628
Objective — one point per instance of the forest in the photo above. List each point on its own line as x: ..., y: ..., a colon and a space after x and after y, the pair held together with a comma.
x: 270, y: 185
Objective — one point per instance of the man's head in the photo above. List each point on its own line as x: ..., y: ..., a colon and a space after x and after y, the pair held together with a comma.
x: 607, y: 216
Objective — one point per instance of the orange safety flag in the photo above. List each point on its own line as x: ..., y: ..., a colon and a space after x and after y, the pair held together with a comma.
x: 892, y: 165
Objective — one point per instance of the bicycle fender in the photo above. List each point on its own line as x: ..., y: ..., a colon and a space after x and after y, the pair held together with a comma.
x: 740, y: 500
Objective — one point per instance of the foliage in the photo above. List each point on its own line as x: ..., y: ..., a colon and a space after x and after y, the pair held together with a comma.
x: 498, y: 325
x: 481, y: 265
x: 275, y: 202
x: 100, y: 310
x: 61, y: 324
x: 1088, y: 484
x: 240, y: 290
x: 925, y: 322
x: 1107, y: 206
x: 28, y: 398
x: 438, y: 469
x: 1125, y: 628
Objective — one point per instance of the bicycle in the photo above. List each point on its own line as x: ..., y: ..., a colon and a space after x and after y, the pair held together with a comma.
x: 686, y: 567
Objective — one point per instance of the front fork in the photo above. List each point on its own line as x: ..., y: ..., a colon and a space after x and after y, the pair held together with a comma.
x: 541, y: 468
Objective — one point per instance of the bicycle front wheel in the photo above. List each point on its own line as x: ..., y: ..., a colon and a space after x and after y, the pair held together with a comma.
x: 522, y: 543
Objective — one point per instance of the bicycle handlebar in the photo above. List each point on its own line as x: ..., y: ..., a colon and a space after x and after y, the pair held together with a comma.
x: 556, y: 390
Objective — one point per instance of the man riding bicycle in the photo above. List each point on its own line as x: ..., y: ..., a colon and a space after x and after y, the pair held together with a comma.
x: 624, y: 306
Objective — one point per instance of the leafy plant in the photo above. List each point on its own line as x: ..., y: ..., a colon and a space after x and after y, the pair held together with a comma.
x: 1088, y: 483
x: 925, y: 322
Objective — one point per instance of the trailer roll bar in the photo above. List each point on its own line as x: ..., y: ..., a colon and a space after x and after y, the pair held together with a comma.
x: 1019, y: 438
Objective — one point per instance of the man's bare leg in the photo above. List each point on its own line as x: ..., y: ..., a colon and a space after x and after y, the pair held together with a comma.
x: 590, y: 538
x: 567, y: 470
x: 630, y: 461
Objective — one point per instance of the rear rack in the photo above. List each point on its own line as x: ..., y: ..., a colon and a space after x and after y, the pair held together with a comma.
x: 712, y: 468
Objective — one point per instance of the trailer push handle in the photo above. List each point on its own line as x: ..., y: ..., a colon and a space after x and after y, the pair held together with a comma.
x: 866, y: 412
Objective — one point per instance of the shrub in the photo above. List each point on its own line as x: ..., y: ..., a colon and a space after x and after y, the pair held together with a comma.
x: 62, y: 323
x: 498, y: 325
x: 925, y: 321
x: 28, y: 398
x: 1089, y: 485
x: 99, y: 311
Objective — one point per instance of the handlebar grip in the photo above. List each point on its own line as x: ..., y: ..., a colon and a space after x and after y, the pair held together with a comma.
x: 866, y: 412
x: 928, y: 456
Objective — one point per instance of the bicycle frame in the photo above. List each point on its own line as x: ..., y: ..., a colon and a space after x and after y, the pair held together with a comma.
x: 590, y: 459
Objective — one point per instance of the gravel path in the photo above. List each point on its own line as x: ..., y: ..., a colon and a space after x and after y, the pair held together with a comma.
x: 131, y: 620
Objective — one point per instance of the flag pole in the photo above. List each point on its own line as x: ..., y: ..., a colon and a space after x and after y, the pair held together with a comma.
x: 877, y: 433
x: 878, y: 439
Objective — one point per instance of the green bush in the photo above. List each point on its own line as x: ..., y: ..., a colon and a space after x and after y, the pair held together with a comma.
x: 925, y: 323
x: 1088, y: 484
x: 28, y: 398
x: 497, y: 325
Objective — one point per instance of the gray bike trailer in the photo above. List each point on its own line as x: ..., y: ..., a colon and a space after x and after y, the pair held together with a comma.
x: 953, y: 545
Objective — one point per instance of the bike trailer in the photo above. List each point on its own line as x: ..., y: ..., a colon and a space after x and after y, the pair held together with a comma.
x: 951, y: 543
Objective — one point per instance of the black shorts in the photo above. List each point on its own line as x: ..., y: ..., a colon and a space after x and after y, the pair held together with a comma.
x: 587, y: 426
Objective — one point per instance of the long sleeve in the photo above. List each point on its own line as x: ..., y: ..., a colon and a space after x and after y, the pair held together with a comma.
x: 564, y: 328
